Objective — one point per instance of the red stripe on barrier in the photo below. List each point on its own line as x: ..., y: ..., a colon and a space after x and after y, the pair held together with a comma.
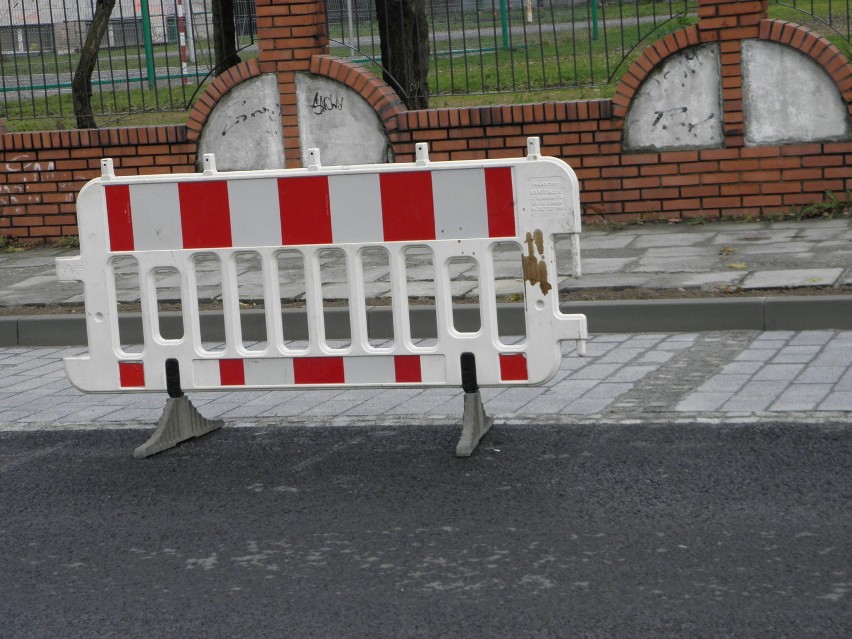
x: 205, y: 215
x: 131, y: 374
x: 305, y: 210
x: 119, y: 219
x: 318, y: 370
x: 407, y: 368
x: 513, y: 367
x: 500, y: 197
x: 232, y: 372
x: 408, y: 212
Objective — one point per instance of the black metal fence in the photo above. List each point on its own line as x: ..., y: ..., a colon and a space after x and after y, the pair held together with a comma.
x: 141, y: 66
x: 476, y: 47
x: 500, y: 46
x: 495, y: 46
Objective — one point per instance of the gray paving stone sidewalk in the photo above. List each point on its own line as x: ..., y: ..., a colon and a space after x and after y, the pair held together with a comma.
x: 713, y: 377
x: 714, y: 256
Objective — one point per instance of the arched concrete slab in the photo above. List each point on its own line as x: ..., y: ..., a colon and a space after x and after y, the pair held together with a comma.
x: 788, y: 97
x: 244, y: 128
x: 339, y: 122
x: 679, y: 105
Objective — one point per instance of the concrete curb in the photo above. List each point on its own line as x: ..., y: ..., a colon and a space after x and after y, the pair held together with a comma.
x: 620, y: 316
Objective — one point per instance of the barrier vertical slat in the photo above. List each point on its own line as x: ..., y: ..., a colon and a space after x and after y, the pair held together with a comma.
x: 444, y: 299
x: 399, y: 296
x: 231, y: 305
x: 357, y: 304
x: 313, y: 301
x: 192, y: 324
x: 487, y: 295
x: 271, y: 300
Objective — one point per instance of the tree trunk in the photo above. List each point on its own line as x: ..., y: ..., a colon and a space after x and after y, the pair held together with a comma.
x: 404, y: 41
x: 81, y: 85
x: 224, y: 36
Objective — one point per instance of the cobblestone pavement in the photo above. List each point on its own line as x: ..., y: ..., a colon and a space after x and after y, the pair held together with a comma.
x: 714, y: 377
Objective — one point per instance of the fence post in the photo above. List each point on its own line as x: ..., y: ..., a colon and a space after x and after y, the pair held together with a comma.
x: 149, y: 47
x: 504, y: 22
x: 595, y: 33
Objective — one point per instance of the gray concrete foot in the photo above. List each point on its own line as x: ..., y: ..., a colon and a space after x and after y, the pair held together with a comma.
x: 475, y: 424
x: 180, y: 421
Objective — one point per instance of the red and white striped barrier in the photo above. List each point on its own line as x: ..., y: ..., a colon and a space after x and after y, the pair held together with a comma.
x: 455, y: 209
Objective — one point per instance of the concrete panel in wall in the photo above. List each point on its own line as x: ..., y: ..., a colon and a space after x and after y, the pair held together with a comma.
x: 788, y: 97
x: 339, y: 122
x: 244, y: 128
x: 679, y: 105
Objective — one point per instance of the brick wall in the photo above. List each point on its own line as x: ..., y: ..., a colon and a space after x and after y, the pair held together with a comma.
x: 40, y: 173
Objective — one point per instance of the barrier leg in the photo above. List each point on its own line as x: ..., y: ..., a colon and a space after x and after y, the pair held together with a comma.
x: 180, y: 420
x: 475, y: 422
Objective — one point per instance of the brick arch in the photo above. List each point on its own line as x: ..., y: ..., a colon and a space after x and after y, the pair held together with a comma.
x: 636, y: 74
x: 218, y: 88
x: 375, y: 91
x: 816, y: 47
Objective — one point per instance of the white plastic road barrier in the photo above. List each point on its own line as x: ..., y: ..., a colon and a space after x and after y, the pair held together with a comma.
x: 460, y: 209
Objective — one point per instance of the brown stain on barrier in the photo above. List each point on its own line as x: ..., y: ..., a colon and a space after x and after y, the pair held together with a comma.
x: 535, y: 268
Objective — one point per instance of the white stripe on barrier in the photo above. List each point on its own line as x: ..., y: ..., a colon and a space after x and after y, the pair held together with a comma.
x: 356, y: 208
x: 155, y: 210
x: 461, y: 205
x: 255, y: 218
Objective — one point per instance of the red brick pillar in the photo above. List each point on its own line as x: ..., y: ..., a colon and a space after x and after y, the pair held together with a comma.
x: 289, y: 33
x: 728, y: 22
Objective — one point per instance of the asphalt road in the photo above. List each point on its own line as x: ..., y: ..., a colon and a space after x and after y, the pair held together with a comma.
x: 609, y: 531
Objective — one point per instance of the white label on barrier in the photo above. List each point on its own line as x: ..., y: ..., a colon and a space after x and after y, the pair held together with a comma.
x: 547, y: 195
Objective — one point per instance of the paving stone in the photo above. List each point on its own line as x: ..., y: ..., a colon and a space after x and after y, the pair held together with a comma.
x: 821, y: 374
x: 595, y: 372
x: 800, y: 397
x: 677, y: 264
x: 729, y: 384
x: 778, y: 372
x: 591, y: 242
x: 837, y: 401
x: 812, y: 338
x: 655, y: 357
x: 586, y: 406
x: 703, y: 401
x: 756, y: 355
x: 668, y: 240
x: 755, y: 396
x: 792, y: 278
x: 742, y: 368
x: 796, y: 355
x: 599, y: 265
x: 621, y: 355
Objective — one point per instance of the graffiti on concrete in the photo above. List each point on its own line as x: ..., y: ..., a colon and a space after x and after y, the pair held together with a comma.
x: 241, y: 118
x: 325, y: 103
